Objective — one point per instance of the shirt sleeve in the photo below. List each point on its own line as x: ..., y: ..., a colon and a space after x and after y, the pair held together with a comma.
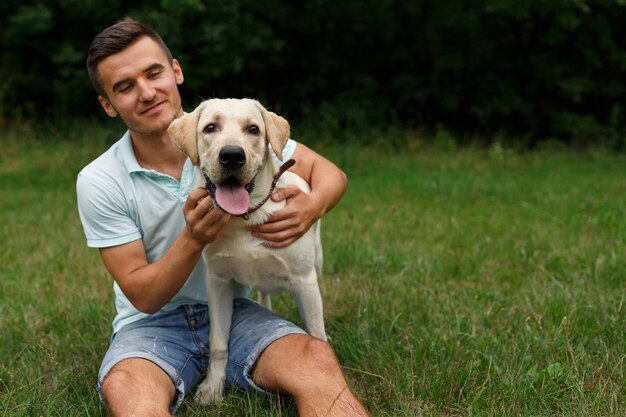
x: 288, y: 151
x: 104, y: 213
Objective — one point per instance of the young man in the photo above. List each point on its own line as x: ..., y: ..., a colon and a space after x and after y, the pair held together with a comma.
x: 138, y: 205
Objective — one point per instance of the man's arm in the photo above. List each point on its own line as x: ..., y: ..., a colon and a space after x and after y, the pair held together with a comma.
x: 328, y: 184
x: 149, y: 286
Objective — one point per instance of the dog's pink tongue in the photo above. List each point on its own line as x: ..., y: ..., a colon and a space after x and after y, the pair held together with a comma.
x: 233, y: 198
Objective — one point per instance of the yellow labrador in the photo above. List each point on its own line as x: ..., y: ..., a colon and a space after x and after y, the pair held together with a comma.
x: 228, y: 139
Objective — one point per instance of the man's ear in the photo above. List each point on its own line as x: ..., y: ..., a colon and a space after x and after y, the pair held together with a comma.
x: 184, y: 133
x: 178, y: 72
x: 106, y: 105
x: 277, y: 130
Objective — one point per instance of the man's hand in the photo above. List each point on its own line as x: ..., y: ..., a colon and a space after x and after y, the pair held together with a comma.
x: 204, y: 222
x: 328, y: 183
x: 287, y: 225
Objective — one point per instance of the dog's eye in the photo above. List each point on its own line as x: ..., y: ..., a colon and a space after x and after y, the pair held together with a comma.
x: 210, y: 128
x: 253, y: 130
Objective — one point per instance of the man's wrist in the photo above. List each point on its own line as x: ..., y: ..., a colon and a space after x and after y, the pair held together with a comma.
x: 320, y: 204
x: 191, y: 244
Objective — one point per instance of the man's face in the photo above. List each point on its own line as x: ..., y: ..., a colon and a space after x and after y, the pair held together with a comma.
x: 141, y: 87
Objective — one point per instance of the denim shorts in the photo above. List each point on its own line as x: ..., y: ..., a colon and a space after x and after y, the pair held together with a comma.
x: 178, y: 342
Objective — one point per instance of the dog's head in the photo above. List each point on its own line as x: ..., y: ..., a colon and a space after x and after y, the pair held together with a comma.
x: 227, y: 139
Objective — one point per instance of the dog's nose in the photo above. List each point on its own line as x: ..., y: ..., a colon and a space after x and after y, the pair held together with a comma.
x: 232, y: 157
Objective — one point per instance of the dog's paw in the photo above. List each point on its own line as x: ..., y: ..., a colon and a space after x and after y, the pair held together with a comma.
x: 210, y: 391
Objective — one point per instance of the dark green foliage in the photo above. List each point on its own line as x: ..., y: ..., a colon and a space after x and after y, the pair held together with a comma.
x: 529, y: 69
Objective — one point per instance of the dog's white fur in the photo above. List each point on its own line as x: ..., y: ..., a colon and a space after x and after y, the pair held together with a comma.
x: 236, y: 255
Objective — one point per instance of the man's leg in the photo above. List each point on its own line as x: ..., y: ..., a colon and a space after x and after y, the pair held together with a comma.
x: 151, y: 364
x: 307, y: 369
x: 138, y: 387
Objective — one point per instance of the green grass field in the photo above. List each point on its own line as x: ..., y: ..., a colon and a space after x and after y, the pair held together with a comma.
x: 457, y: 283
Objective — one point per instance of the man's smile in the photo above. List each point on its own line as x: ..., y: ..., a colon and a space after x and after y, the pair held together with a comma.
x: 152, y: 109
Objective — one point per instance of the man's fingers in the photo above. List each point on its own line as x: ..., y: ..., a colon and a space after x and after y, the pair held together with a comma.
x: 273, y: 225
x: 198, y: 194
x: 278, y: 245
x: 278, y: 235
x: 203, y: 219
x: 281, y: 194
x: 194, y: 197
x: 206, y: 204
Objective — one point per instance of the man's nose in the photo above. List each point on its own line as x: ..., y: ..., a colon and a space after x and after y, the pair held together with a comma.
x: 146, y: 91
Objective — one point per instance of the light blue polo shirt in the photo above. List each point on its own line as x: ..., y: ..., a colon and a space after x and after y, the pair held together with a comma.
x: 120, y: 202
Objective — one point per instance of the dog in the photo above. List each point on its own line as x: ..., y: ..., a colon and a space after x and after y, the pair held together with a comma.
x: 227, y: 139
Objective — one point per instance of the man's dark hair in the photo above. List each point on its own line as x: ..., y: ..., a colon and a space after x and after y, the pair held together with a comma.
x: 115, y: 39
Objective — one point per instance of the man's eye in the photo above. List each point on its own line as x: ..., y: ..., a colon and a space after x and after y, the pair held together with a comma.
x: 154, y: 74
x: 125, y: 89
x: 253, y: 130
x: 210, y: 128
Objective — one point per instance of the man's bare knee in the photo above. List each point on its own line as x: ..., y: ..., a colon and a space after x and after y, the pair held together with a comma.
x: 116, y: 382
x: 318, y: 369
x: 308, y: 369
x: 322, y: 387
x: 320, y: 356
x: 137, y: 387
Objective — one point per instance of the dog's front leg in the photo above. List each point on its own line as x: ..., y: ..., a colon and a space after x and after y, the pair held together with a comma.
x: 220, y: 298
x: 265, y: 299
x: 309, y: 302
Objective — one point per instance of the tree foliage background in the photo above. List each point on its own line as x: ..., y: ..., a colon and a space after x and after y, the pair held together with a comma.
x: 529, y: 69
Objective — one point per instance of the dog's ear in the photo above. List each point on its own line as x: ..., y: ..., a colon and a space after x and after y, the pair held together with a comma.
x: 184, y: 133
x: 277, y: 130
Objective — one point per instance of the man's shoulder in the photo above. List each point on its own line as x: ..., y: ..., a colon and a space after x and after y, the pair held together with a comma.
x: 108, y: 165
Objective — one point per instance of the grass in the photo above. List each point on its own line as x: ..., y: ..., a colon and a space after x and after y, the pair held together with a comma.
x: 457, y: 283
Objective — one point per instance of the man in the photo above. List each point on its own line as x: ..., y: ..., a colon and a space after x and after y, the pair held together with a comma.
x: 138, y: 206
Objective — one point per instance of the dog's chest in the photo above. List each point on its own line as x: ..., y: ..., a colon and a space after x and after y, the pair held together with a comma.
x: 241, y: 257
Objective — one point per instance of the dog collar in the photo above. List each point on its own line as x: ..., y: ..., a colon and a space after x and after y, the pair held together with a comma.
x: 210, y: 187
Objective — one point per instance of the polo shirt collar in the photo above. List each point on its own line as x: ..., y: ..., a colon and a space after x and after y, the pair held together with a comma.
x: 127, y: 154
